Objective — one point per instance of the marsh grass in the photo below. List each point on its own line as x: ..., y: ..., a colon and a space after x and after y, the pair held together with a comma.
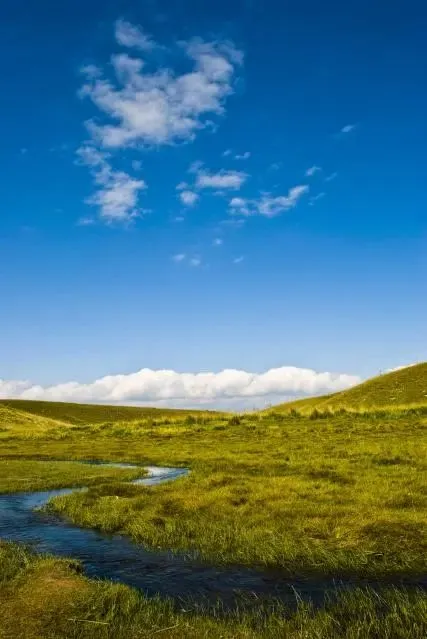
x: 340, y: 494
x: 31, y: 475
x: 46, y: 597
x: 337, y: 496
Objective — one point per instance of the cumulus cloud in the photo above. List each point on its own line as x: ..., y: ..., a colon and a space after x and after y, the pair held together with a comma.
x: 188, y: 198
x: 267, y: 204
x: 169, y: 387
x: 222, y: 180
x: 117, y: 192
x: 138, y: 107
x: 161, y: 107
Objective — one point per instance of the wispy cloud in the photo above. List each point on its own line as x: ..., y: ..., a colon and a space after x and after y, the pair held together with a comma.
x: 226, y: 153
x: 217, y: 241
x: 331, y: 177
x: 238, y: 260
x: 244, y: 156
x: 316, y: 198
x: 222, y: 180
x: 348, y: 128
x: 188, y: 198
x: 267, y: 204
x: 161, y: 107
x: 129, y: 35
x: 179, y: 257
x: 139, y: 107
x: 313, y: 170
x: 116, y: 196
x: 195, y: 261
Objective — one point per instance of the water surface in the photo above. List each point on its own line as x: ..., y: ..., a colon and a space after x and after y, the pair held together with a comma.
x: 153, y: 571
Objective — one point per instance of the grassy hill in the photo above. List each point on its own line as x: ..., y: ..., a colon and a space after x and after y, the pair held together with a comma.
x: 405, y: 387
x: 30, y: 412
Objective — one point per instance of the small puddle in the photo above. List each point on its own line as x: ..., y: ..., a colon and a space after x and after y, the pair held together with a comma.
x: 155, y: 572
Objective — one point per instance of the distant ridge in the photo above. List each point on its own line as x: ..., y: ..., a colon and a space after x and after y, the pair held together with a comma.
x: 20, y: 410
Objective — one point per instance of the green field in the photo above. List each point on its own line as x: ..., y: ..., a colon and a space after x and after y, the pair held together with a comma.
x: 400, y: 389
x: 338, y: 493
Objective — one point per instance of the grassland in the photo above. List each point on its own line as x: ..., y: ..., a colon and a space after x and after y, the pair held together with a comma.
x: 400, y: 389
x: 45, y: 597
x: 70, y: 413
x: 330, y: 493
x: 29, y: 475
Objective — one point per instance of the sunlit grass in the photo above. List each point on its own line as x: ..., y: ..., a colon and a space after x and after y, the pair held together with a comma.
x: 337, y: 493
x: 47, y: 597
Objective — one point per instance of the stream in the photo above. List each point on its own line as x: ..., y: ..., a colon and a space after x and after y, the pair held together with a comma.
x: 154, y: 571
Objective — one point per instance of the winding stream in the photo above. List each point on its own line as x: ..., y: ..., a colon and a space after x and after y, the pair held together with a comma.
x: 153, y: 571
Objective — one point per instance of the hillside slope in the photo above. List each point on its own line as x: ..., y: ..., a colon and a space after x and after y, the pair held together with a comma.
x: 85, y: 413
x: 399, y: 388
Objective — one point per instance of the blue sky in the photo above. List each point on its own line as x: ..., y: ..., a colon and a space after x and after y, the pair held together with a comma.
x: 195, y: 187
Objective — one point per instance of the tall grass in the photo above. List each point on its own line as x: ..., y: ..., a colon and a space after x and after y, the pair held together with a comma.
x: 47, y: 597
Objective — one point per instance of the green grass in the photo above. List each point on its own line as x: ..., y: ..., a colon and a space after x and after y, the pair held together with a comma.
x: 332, y: 493
x: 47, y: 597
x: 30, y: 475
x: 71, y: 413
x: 402, y: 388
x: 338, y: 496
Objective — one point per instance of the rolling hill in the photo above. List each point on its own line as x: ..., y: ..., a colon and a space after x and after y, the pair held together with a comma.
x: 19, y: 410
x: 405, y: 387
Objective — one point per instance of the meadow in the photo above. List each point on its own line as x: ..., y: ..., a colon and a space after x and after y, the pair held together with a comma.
x: 327, y: 493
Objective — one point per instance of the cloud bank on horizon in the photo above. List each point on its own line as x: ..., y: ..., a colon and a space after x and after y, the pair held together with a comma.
x: 226, y: 388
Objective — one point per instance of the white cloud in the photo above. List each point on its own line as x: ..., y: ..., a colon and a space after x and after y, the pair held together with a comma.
x: 182, y: 186
x: 86, y: 221
x: 268, y: 205
x: 221, y: 180
x: 226, y: 153
x: 195, y: 261
x: 316, y: 198
x: 240, y: 206
x: 138, y: 107
x: 272, y: 206
x: 188, y: 198
x: 348, y: 128
x: 117, y: 192
x: 217, y: 241
x: 331, y: 177
x: 243, y: 156
x: 179, y: 257
x: 312, y: 170
x: 238, y: 260
x: 161, y: 107
x: 169, y: 388
x: 129, y: 35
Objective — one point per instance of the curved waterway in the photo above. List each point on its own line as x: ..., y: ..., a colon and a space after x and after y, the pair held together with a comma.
x: 155, y: 572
